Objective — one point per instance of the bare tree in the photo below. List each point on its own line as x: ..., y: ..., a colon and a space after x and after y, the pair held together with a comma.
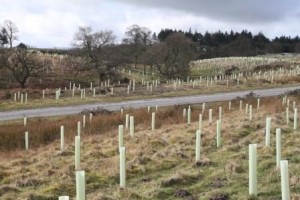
x: 173, y: 56
x: 95, y: 47
x: 137, y: 38
x: 10, y: 30
x: 24, y: 64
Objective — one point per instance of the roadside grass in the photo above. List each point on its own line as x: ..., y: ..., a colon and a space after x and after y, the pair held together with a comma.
x: 120, y: 93
x: 159, y: 164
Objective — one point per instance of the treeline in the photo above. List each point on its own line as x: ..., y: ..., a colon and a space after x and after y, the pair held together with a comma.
x: 244, y: 43
x: 167, y: 53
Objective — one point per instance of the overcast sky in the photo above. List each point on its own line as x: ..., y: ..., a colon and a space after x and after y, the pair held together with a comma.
x: 52, y: 23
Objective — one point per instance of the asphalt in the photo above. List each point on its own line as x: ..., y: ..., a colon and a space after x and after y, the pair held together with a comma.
x: 71, y: 110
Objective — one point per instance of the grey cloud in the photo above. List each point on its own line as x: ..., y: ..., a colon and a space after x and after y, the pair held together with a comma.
x: 241, y: 11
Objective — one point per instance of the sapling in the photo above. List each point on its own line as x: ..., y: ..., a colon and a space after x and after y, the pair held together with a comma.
x: 131, y: 126
x: 203, y: 107
x: 128, y: 89
x: 253, y: 169
x: 210, y: 116
x: 122, y: 167
x: 121, y: 136
x: 294, y: 105
x: 91, y: 117
x: 133, y: 85
x: 80, y: 185
x: 153, y: 122
x: 284, y: 100
x: 26, y: 141
x: 25, y: 121
x: 295, y: 119
x: 241, y: 104
x: 285, y: 186
x: 250, y: 112
x: 189, y: 116
x: 278, y: 147
x: 77, y: 152
x: 83, y: 121
x: 126, y: 121
x: 78, y: 128
x: 268, y: 131
x: 198, y: 145
x: 184, y: 113
x: 287, y: 116
x: 63, y: 198
x: 56, y: 95
x: 62, y: 136
x: 218, y: 130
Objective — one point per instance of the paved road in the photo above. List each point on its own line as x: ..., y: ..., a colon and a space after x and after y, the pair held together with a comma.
x: 70, y: 110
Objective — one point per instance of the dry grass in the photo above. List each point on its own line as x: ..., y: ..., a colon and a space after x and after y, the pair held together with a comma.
x: 160, y: 164
x: 120, y: 92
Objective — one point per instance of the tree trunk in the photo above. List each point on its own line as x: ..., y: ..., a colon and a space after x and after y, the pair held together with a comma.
x: 23, y: 83
x: 99, y: 78
x: 135, y: 61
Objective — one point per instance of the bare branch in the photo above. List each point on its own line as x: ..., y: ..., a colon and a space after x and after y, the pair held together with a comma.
x: 10, y: 30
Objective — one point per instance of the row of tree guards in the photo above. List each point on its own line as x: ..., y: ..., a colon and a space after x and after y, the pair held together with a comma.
x: 129, y: 126
x: 270, y: 75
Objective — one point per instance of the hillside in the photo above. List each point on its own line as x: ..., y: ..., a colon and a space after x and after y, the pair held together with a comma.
x: 160, y: 164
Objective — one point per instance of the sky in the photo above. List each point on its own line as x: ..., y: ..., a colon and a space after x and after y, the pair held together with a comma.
x: 53, y: 23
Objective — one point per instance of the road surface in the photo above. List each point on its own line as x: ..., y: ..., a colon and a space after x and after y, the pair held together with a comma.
x: 71, y: 110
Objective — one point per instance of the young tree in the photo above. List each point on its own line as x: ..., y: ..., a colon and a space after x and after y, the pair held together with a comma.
x: 95, y: 48
x: 10, y: 30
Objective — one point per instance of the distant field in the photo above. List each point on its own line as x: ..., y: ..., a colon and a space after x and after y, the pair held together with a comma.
x: 207, y: 76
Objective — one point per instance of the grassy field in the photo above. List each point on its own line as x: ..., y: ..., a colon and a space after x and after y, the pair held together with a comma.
x: 61, y: 76
x: 160, y: 164
x: 120, y: 93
